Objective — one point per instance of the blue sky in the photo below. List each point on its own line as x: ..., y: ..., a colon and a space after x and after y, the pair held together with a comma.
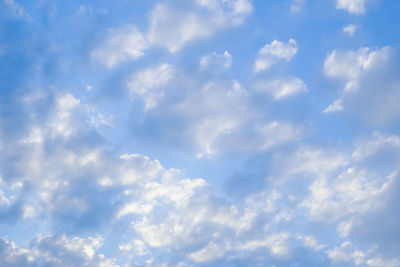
x: 199, y: 133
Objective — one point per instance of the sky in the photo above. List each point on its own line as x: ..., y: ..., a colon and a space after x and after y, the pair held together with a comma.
x: 199, y: 133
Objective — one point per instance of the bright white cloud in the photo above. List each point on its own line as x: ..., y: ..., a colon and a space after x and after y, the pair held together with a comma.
x: 120, y: 45
x: 281, y: 88
x: 55, y: 251
x: 274, y: 52
x: 172, y: 28
x: 346, y: 64
x: 352, y: 6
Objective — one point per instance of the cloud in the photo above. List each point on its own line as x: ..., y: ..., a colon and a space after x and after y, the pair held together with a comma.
x: 371, y: 84
x: 274, y: 52
x: 281, y: 88
x: 350, y: 29
x: 173, y: 27
x: 52, y: 250
x: 149, y: 83
x: 120, y: 45
x: 81, y: 186
x: 348, y: 253
x: 216, y: 62
x: 297, y: 6
x: 90, y: 182
x: 352, y: 6
x: 232, y: 124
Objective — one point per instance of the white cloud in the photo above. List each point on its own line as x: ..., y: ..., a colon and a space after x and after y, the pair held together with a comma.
x: 3, y: 199
x: 350, y: 29
x: 371, y: 84
x: 297, y: 6
x: 347, y: 64
x: 311, y: 242
x: 170, y: 212
x: 272, y: 53
x: 55, y: 251
x: 281, y: 88
x: 120, y: 45
x: 222, y: 119
x: 353, y: 191
x: 216, y: 61
x: 149, y: 82
x: 352, y: 6
x: 335, y: 106
x: 348, y: 253
x: 172, y: 28
x: 275, y: 133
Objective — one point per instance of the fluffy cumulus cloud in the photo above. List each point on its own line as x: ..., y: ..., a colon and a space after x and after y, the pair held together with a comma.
x: 147, y: 83
x: 274, y: 52
x: 48, y: 250
x: 352, y: 6
x: 173, y: 27
x: 281, y: 88
x: 120, y: 45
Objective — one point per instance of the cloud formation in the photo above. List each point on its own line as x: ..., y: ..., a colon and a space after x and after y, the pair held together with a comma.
x: 352, y: 6
x: 160, y: 134
x: 274, y: 52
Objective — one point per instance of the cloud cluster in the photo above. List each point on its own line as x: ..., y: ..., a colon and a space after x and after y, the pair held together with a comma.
x: 49, y: 250
x: 85, y: 188
x: 172, y: 26
x: 87, y: 177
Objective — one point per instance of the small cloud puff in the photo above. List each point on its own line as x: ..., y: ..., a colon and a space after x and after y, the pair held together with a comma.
x: 274, y: 52
x: 147, y: 83
x: 350, y: 29
x: 216, y: 61
x: 297, y: 6
x: 281, y: 88
x: 352, y: 6
x: 120, y: 45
